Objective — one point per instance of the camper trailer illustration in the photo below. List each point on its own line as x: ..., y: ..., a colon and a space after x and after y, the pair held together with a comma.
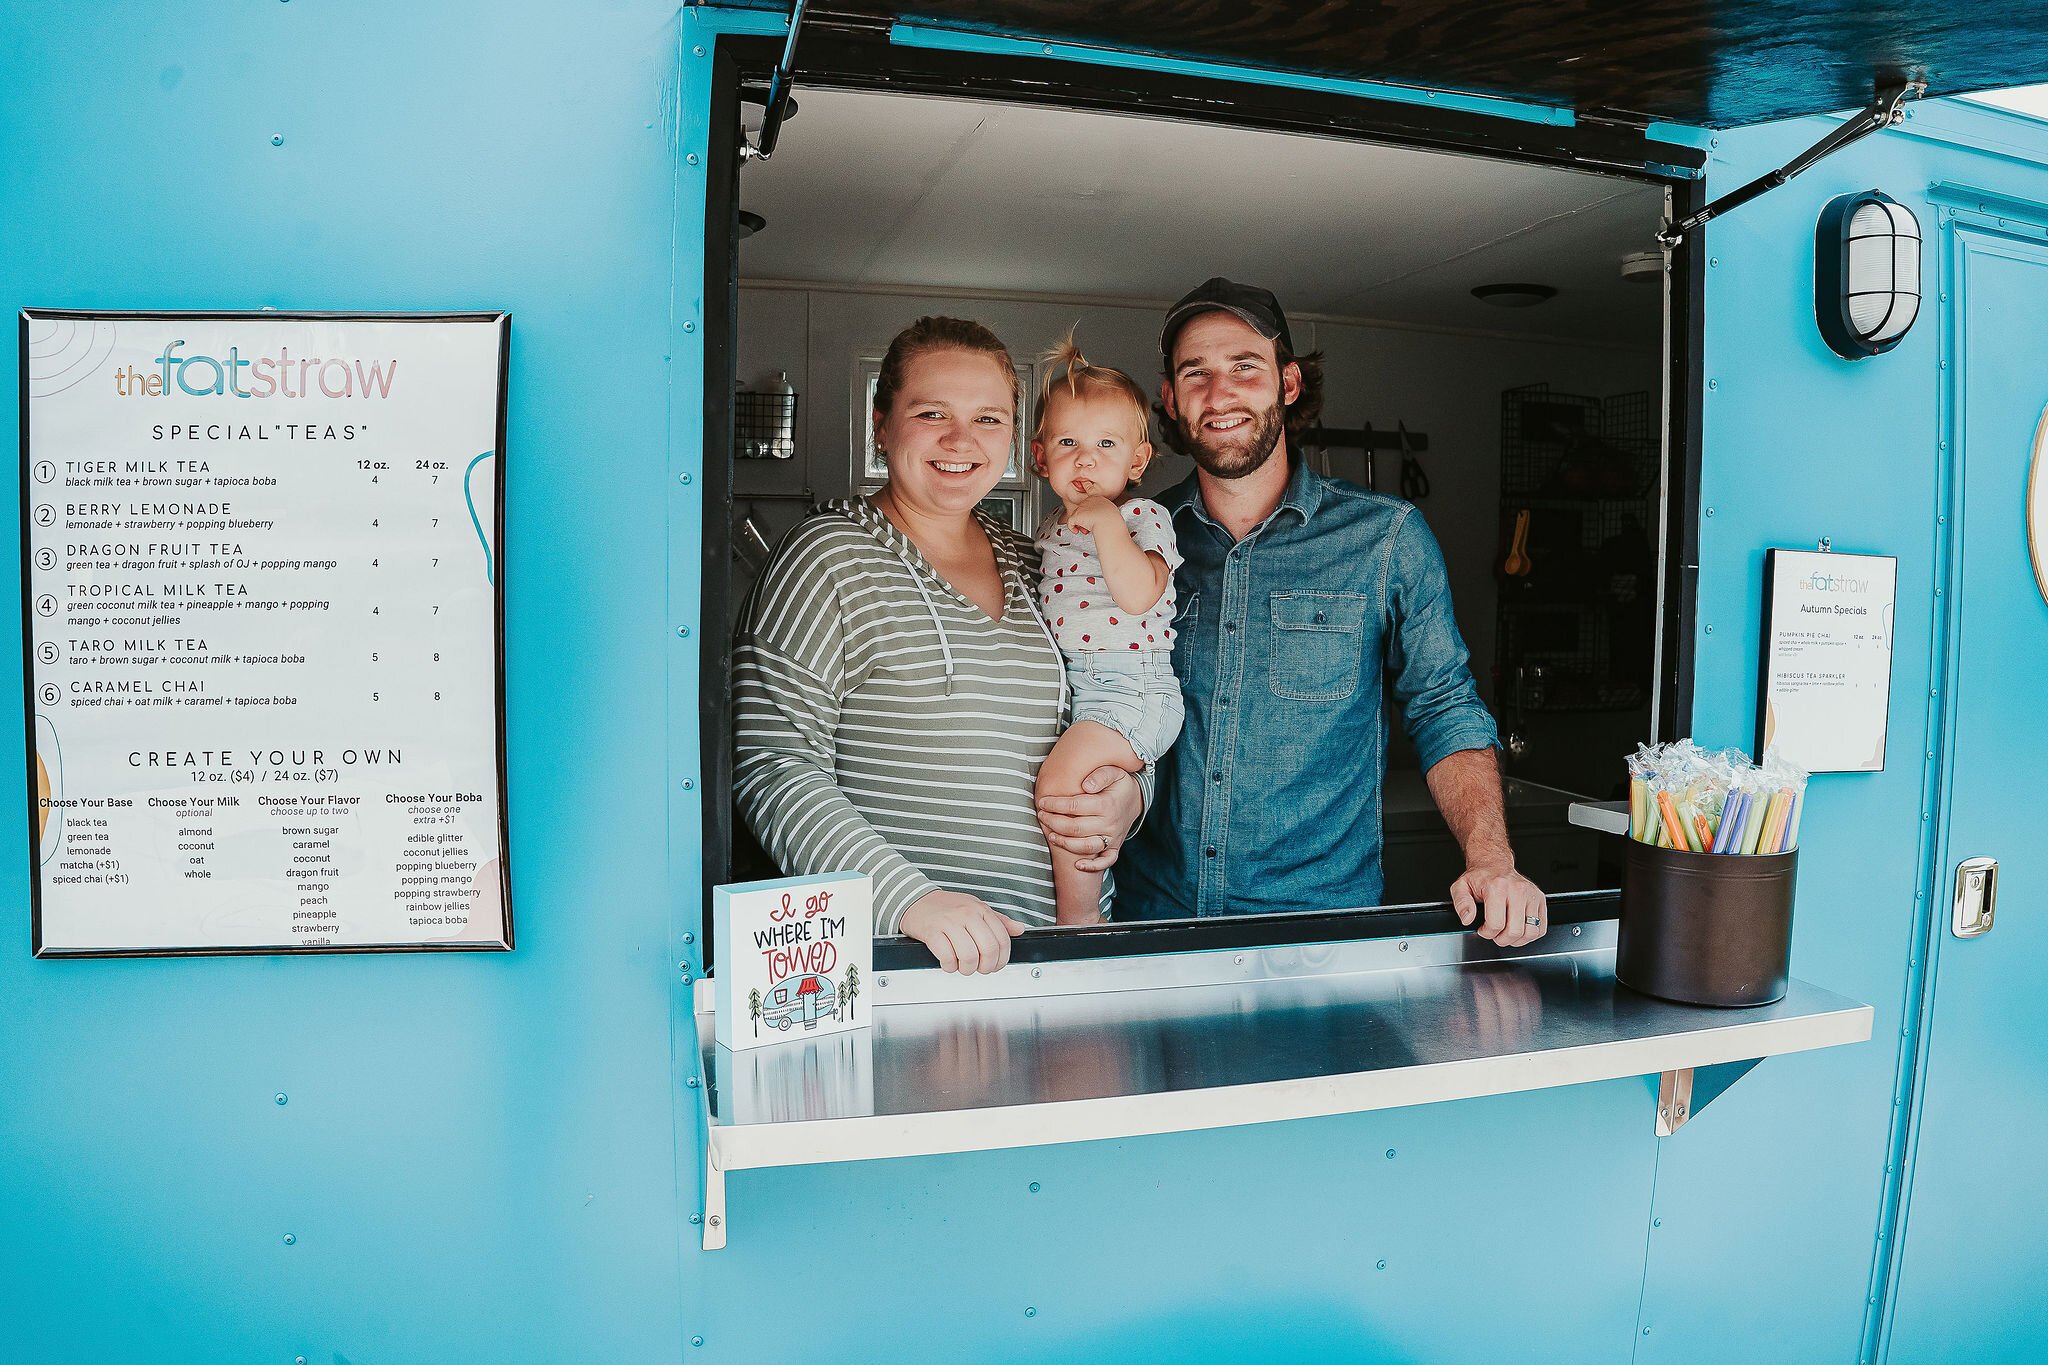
x: 800, y: 1000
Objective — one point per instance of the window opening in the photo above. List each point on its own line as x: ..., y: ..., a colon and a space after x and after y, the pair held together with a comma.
x: 1542, y: 473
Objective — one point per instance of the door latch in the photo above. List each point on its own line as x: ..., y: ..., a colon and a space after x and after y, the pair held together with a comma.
x: 1976, y: 897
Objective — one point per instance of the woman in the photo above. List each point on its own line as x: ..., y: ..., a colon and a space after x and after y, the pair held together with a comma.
x: 896, y: 689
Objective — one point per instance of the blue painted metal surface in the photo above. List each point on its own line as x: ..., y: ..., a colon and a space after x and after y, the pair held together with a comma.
x: 1002, y: 44
x: 496, y: 1158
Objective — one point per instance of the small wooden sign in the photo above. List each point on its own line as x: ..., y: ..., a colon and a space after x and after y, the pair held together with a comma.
x: 792, y: 957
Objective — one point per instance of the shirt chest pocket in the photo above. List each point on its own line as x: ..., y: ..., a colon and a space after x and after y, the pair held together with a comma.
x: 1318, y: 642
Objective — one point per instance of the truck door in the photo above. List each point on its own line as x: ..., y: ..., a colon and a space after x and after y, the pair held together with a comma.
x: 1972, y: 1251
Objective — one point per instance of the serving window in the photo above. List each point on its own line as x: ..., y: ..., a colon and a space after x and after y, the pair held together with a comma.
x: 1498, y: 333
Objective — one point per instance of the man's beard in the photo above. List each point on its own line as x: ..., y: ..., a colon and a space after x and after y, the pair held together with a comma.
x: 1240, y: 452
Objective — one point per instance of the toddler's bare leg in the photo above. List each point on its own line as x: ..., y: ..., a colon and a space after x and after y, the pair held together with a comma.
x: 1086, y: 746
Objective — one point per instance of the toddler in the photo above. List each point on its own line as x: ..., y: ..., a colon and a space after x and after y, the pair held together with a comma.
x: 1106, y: 591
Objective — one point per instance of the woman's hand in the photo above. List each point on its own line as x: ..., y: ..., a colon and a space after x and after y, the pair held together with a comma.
x: 1093, y: 824
x: 962, y: 932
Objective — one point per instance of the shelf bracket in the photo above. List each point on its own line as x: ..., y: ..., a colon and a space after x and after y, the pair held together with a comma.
x: 1683, y: 1093
x: 714, y: 1195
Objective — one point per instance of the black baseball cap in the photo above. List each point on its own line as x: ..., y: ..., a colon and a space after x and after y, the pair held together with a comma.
x: 1259, y: 309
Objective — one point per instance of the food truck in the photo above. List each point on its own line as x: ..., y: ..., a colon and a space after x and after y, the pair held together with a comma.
x: 1656, y: 314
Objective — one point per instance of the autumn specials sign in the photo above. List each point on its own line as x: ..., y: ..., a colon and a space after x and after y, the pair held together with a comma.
x: 791, y: 957
x: 263, y: 610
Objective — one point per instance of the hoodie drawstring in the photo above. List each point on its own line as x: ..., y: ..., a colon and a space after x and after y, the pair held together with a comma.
x: 945, y: 645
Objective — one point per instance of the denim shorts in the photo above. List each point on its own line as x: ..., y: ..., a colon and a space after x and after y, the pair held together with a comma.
x: 1134, y: 693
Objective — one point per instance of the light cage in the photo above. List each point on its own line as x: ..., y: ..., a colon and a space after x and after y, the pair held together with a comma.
x: 1866, y: 278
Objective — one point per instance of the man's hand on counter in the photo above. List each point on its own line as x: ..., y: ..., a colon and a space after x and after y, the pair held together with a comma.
x: 1514, y: 910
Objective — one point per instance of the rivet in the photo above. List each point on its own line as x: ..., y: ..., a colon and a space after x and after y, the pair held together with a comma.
x: 290, y: 1238
x: 1944, y: 364
x: 1710, y: 630
x: 697, y: 51
x: 1031, y: 1312
x: 1941, y: 521
x: 689, y: 937
x: 1714, y: 261
x: 1239, y: 959
x: 691, y: 1082
x: 1037, y: 972
x: 682, y: 478
x: 277, y: 139
x: 283, y: 1098
x: 1404, y: 945
x: 1646, y: 1331
x: 682, y: 632
x: 691, y: 158
x: 1382, y: 1265
x: 1713, y: 383
x: 695, y: 1219
x: 689, y: 327
x: 882, y: 981
x: 717, y: 1221
x: 1034, y: 1187
x: 1047, y: 49
x: 688, y: 785
x: 696, y: 1341
x: 1937, y: 592
x: 1390, y: 1153
x: 1577, y: 930
x: 1656, y: 1222
x: 1710, y: 511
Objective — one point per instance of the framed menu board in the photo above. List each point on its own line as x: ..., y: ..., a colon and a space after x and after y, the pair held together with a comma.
x: 1826, y: 684
x: 263, y: 619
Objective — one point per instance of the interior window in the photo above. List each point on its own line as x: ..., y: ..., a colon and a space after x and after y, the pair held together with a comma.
x: 1493, y: 337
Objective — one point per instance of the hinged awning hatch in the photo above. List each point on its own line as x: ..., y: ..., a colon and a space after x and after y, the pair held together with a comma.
x: 1710, y: 65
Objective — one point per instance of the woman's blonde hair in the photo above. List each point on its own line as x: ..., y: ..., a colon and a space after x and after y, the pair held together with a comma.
x: 1066, y: 369
x: 939, y: 334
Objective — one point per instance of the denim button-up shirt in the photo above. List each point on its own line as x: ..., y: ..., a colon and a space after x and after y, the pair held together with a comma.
x: 1270, y: 800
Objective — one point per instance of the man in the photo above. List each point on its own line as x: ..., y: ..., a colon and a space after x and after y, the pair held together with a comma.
x: 1300, y: 597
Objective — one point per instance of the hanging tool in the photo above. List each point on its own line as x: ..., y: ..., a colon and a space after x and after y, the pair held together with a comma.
x: 1414, y: 483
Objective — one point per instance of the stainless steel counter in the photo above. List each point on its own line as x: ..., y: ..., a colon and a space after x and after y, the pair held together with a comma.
x: 1106, y: 1048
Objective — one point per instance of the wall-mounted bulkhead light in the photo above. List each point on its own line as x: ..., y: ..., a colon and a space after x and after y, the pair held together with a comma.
x: 1866, y: 273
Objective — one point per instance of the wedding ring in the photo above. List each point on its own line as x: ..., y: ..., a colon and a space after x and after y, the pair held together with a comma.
x: 1105, y: 842
x: 1532, y: 919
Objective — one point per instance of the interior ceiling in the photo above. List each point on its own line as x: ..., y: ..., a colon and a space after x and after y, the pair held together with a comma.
x: 883, y: 190
x: 1713, y: 63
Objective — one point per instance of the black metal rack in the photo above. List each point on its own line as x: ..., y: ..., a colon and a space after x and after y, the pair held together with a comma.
x: 1576, y: 620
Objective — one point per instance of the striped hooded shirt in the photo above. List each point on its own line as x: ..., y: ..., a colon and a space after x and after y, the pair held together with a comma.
x: 884, y: 724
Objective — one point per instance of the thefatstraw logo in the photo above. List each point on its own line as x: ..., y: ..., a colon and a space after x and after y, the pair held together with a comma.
x: 1831, y: 582
x: 281, y: 375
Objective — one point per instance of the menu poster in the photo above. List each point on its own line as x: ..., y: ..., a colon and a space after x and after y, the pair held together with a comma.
x: 792, y: 957
x: 1827, y: 659
x: 263, y: 613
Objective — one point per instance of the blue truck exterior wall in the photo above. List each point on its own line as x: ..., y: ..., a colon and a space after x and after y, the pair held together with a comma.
x: 496, y: 1157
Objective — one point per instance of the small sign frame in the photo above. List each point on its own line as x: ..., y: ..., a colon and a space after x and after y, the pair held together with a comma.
x: 1824, y: 680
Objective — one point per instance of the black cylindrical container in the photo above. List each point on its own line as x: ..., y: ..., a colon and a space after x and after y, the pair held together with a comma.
x: 1706, y: 928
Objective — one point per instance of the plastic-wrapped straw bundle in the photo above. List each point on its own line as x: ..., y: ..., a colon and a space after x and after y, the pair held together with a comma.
x: 1714, y: 801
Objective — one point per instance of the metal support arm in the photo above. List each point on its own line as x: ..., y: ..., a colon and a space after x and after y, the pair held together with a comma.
x: 779, y: 83
x: 1886, y: 110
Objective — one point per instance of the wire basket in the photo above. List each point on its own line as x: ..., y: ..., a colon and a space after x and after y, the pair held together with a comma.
x: 763, y: 425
